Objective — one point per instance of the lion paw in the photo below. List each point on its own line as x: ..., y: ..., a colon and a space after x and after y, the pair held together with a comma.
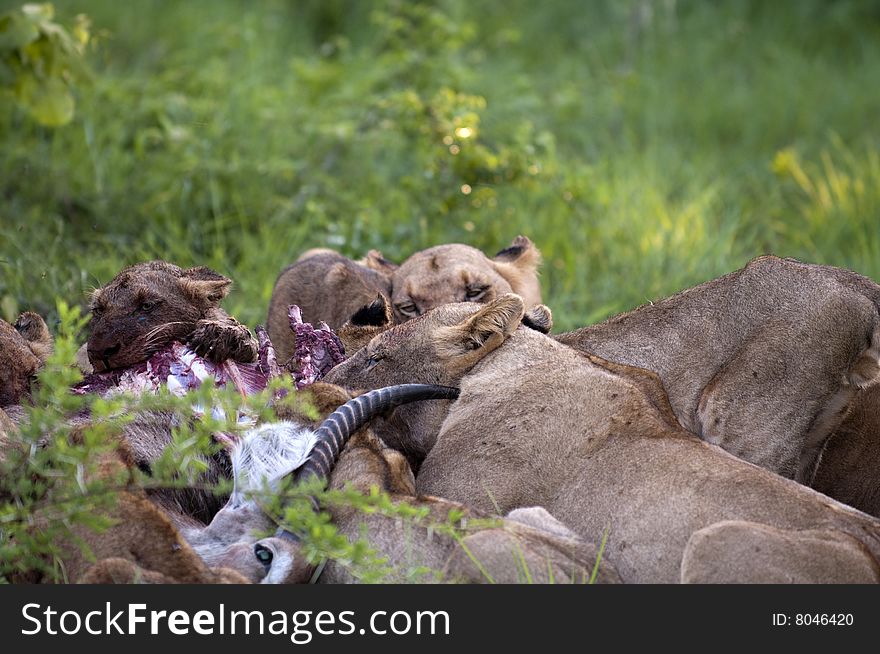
x: 218, y: 341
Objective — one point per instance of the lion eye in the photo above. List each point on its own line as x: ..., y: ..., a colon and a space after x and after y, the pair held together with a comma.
x: 475, y: 292
x: 408, y: 309
x: 373, y: 361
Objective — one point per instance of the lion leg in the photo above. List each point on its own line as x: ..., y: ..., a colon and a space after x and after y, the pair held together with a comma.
x: 742, y: 552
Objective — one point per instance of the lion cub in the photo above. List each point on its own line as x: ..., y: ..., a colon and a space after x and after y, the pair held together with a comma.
x: 24, y: 348
x: 149, y: 305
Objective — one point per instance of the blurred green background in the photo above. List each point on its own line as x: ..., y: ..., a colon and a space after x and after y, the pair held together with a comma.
x: 644, y: 146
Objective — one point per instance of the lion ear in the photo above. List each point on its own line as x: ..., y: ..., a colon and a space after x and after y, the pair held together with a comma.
x: 478, y: 334
x: 375, y: 261
x: 518, y: 264
x: 539, y: 318
x: 376, y: 314
x: 204, y: 285
x: 33, y: 329
x: 94, y: 296
x: 365, y: 323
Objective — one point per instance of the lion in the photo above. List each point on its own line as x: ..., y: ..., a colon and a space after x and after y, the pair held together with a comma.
x: 329, y: 287
x: 24, y: 348
x: 374, y: 318
x: 597, y: 444
x: 527, y: 544
x: 402, y: 430
x: 725, y: 553
x: 764, y: 361
x: 149, y: 305
x: 777, y: 363
x: 144, y: 309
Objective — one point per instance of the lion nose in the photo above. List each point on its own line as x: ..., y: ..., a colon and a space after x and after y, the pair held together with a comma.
x: 110, y: 351
x: 104, y: 355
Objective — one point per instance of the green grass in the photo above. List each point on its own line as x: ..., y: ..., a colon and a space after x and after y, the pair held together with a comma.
x: 643, y: 146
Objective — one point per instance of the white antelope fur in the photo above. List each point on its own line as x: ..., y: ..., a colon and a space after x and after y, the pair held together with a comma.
x: 266, y: 454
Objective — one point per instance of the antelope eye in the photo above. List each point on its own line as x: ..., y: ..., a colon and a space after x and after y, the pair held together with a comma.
x: 408, y: 309
x: 264, y: 554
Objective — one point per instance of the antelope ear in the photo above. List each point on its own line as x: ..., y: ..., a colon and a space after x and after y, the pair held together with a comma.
x: 518, y: 264
x: 375, y: 261
x: 539, y: 318
x: 482, y: 332
x: 204, y: 286
x: 33, y: 329
x: 365, y: 323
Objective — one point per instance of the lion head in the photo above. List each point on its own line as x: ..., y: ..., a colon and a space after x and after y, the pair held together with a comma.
x: 146, y: 307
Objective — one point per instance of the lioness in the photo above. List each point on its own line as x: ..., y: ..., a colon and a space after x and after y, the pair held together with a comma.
x: 329, y: 287
x: 763, y: 361
x: 596, y: 443
x: 376, y: 317
x: 403, y: 430
x: 761, y: 349
x: 527, y: 545
x: 149, y: 542
x: 149, y: 305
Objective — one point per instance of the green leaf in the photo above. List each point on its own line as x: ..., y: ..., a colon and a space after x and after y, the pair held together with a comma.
x: 16, y: 31
x: 8, y: 308
x: 50, y: 102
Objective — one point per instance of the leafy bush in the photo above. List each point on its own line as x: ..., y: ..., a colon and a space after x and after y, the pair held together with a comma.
x: 39, y: 61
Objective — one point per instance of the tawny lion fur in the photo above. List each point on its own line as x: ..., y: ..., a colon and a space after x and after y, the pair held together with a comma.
x: 595, y: 443
x: 330, y: 287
